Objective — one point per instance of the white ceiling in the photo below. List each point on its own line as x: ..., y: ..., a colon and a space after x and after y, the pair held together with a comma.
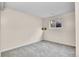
x: 42, y: 9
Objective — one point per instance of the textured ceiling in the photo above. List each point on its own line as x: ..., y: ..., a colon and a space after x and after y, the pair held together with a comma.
x: 42, y: 9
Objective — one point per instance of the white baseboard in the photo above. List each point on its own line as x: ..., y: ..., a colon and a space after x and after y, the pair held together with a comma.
x: 61, y: 43
x: 3, y: 50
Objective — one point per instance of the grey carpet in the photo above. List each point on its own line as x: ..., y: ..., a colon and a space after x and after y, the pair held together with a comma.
x: 41, y: 49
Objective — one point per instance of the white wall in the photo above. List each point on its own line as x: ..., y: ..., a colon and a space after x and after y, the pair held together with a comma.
x: 19, y: 29
x: 0, y: 29
x: 66, y: 35
x: 77, y: 27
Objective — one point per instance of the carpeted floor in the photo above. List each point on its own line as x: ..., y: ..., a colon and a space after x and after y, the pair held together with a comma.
x: 41, y: 49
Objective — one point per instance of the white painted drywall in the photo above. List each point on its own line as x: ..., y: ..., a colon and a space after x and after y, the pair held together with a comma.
x: 66, y: 35
x: 77, y: 27
x: 19, y: 28
x: 0, y: 29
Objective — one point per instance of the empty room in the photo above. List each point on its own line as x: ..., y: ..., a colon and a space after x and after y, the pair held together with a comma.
x: 38, y: 29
